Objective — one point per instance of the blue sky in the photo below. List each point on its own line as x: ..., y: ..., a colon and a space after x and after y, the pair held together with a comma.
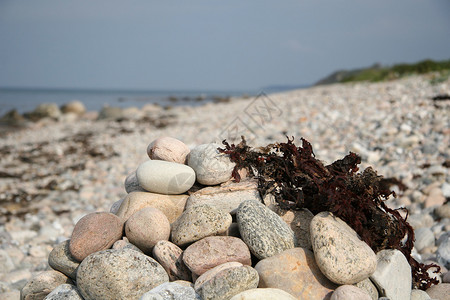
x: 210, y: 45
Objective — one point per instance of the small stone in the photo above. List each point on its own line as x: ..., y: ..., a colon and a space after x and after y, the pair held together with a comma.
x: 171, y: 205
x: 132, y: 184
x: 94, y: 232
x: 226, y: 197
x: 146, y: 227
x: 339, y: 253
x: 199, y: 222
x: 434, y: 198
x: 443, y: 252
x: 64, y: 291
x: 115, y: 206
x: 42, y: 284
x: 128, y: 274
x: 74, y: 107
x: 264, y: 232
x: 168, y: 149
x: 446, y: 277
x: 393, y: 275
x: 61, y: 260
x: 424, y: 238
x: 294, y: 271
x: 6, y: 263
x: 222, y: 283
x: 443, y: 211
x: 349, y: 292
x: 440, y: 291
x: 165, y: 177
x: 125, y: 244
x: 210, y: 166
x: 263, y: 294
x: 299, y: 221
x: 212, y: 251
x: 419, y: 295
x: 170, y: 256
x: 368, y: 286
x: 171, y: 291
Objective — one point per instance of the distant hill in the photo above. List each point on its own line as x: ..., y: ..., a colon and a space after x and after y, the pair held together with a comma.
x: 378, y: 72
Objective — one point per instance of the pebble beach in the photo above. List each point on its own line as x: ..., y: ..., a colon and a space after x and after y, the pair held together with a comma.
x: 57, y: 170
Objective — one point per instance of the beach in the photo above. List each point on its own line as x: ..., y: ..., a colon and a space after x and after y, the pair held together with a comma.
x: 53, y: 172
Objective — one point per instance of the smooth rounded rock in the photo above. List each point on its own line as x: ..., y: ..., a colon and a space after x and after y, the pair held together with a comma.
x: 61, y: 260
x: 165, y: 177
x: 295, y: 271
x: 171, y: 291
x: 171, y: 205
x: 212, y: 251
x: 42, y: 284
x: 115, y: 206
x: 299, y: 221
x: 124, y: 244
x: 370, y: 288
x: 419, y: 295
x: 94, y: 232
x: 263, y: 294
x: 339, y: 253
x: 64, y: 291
x: 424, y: 238
x: 264, y: 232
x: 168, y: 149
x: 170, y: 256
x: 221, y: 283
x: 126, y: 273
x: 392, y: 275
x: 75, y: 107
x: 439, y: 292
x: 199, y: 222
x: 443, y: 251
x: 210, y: 166
x: 132, y: 184
x: 146, y: 227
x: 349, y: 292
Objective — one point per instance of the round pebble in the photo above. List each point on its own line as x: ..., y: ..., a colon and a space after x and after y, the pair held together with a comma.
x: 210, y: 166
x: 168, y: 149
x: 339, y: 253
x: 171, y: 291
x: 61, y: 260
x: 94, y: 232
x: 146, y: 227
x: 199, y: 222
x: 165, y: 177
x: 349, y: 292
x: 42, y: 284
x: 170, y: 256
x: 64, y: 291
x: 128, y: 274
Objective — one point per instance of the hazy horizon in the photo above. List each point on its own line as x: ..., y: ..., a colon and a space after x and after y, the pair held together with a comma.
x: 210, y: 45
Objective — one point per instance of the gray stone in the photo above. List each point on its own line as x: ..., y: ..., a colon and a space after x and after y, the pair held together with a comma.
x: 171, y: 291
x: 110, y: 113
x: 132, y: 184
x: 226, y: 197
x: 443, y: 251
x: 199, y: 222
x: 64, y: 291
x: 128, y: 274
x: 125, y: 244
x: 299, y: 221
x: 393, y: 275
x: 42, y: 284
x: 211, y: 167
x: 222, y: 283
x: 165, y: 177
x: 61, y: 260
x: 439, y: 291
x: 263, y: 294
x: 264, y: 232
x: 6, y: 263
x: 368, y: 286
x: 349, y: 292
x: 424, y: 238
x: 115, y: 206
x: 419, y: 295
x: 339, y: 252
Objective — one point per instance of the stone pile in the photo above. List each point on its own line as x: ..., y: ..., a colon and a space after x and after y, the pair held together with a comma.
x: 186, y: 230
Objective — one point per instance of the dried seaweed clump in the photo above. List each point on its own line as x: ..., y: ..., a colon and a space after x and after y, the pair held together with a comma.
x: 298, y: 180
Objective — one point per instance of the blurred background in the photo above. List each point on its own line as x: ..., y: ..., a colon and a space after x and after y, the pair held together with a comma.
x: 128, y: 53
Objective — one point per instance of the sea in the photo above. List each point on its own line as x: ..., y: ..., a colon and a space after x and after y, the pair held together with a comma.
x: 26, y: 100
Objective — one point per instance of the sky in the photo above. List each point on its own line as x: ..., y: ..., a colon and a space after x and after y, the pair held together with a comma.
x: 210, y: 45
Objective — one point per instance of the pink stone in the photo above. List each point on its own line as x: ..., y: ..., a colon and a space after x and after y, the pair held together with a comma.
x: 170, y: 256
x: 168, y: 149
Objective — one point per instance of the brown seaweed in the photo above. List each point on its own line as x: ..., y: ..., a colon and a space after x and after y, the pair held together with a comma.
x: 298, y: 180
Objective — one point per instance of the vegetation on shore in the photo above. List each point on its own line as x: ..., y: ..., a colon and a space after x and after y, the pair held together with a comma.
x: 377, y: 72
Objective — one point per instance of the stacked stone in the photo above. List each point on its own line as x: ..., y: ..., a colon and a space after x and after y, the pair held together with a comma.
x: 187, y: 231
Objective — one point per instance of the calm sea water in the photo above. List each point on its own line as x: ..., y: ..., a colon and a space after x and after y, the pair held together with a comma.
x: 25, y: 100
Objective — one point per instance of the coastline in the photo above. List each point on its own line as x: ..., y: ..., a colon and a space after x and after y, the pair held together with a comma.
x: 54, y: 172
